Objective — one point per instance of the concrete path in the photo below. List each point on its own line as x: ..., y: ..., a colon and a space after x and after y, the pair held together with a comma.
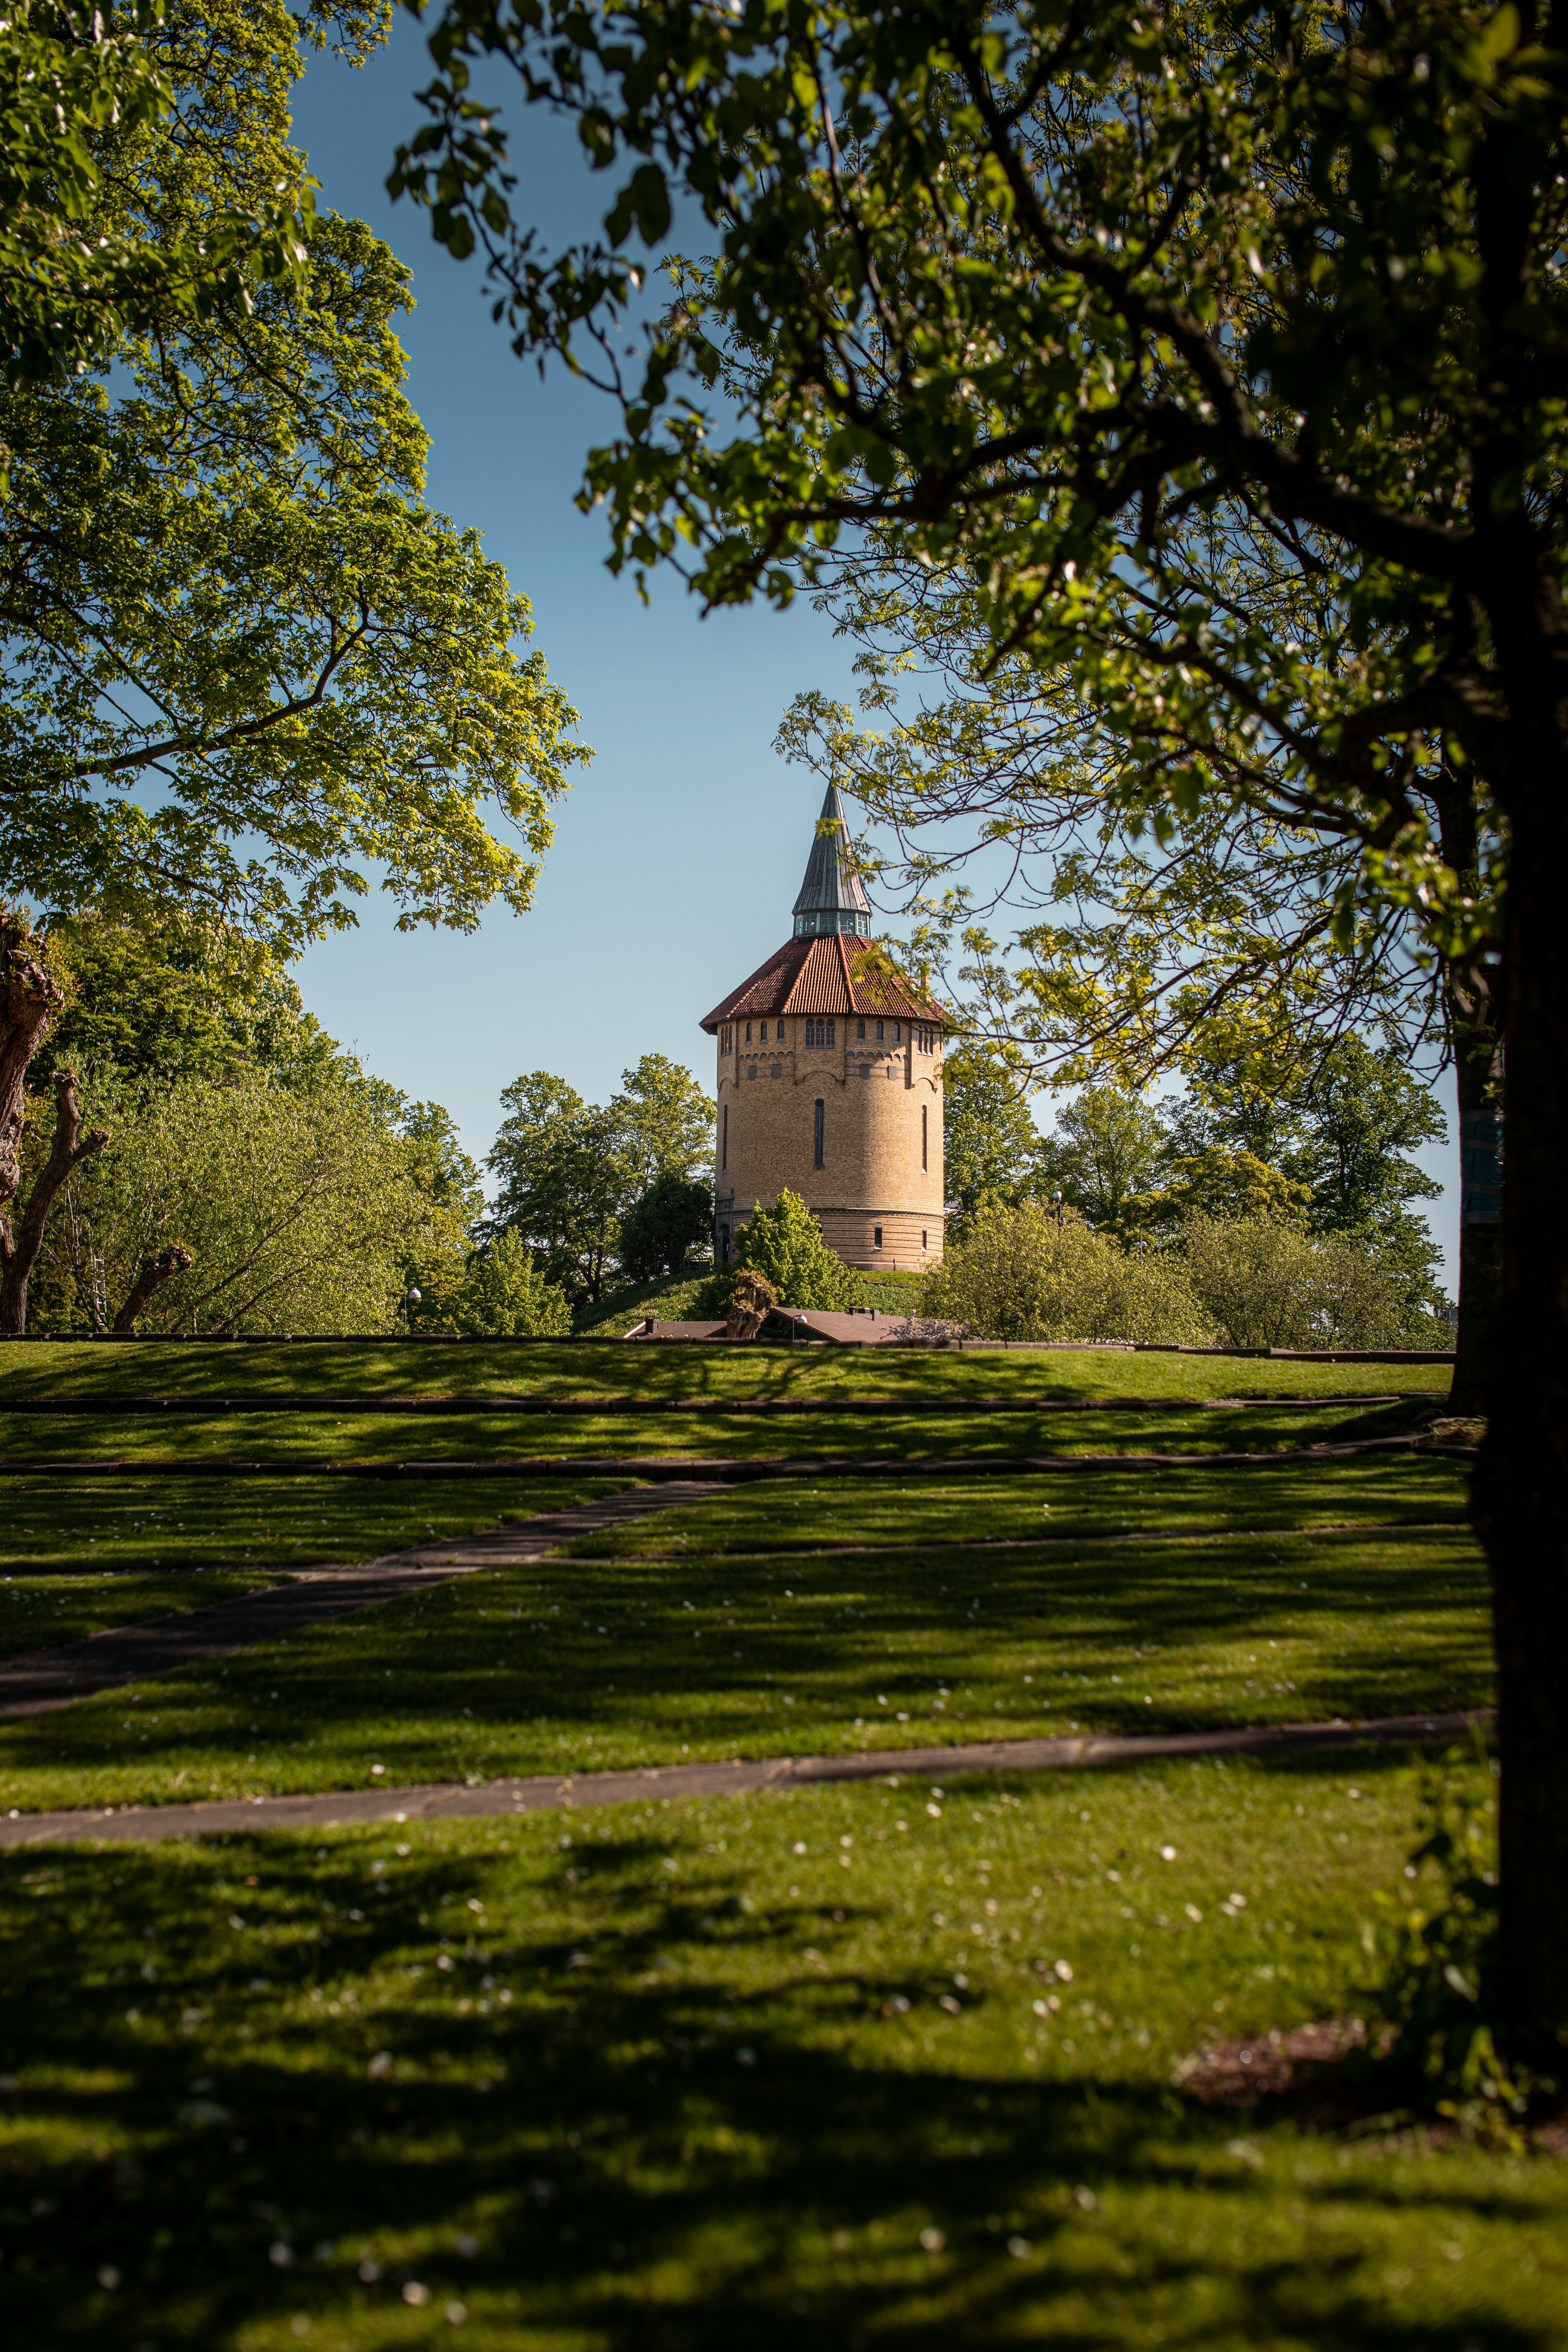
x: 735, y: 1469
x: 547, y: 1792
x: 43, y: 1680
x: 302, y: 1403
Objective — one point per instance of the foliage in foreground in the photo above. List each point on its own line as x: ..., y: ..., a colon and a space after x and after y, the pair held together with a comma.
x: 1453, y: 2050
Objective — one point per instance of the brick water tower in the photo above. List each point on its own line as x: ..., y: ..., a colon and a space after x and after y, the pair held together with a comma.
x: 830, y: 1080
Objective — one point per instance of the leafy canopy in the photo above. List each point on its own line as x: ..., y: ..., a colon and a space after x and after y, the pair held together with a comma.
x: 85, y: 95
x: 243, y: 662
x: 1151, y: 330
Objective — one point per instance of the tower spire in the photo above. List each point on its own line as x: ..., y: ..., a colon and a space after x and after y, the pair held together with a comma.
x: 831, y: 896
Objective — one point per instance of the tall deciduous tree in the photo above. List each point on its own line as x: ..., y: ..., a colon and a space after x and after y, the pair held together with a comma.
x: 564, y: 1181
x: 990, y: 1144
x: 1153, y: 932
x: 1046, y: 295
x: 664, y: 1120
x: 241, y: 661
x: 81, y: 265
x: 674, y: 1216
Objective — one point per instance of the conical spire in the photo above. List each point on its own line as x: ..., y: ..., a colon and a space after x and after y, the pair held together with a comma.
x: 831, y: 897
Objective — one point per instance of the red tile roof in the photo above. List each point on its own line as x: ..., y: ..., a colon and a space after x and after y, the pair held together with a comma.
x: 835, y: 974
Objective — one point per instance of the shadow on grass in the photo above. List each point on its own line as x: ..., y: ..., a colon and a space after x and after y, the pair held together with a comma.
x: 362, y: 2102
x: 571, y: 1665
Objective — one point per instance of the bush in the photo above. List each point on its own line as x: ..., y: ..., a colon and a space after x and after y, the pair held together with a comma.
x: 1019, y: 1274
x: 1268, y: 1283
x: 503, y: 1296
x: 783, y: 1244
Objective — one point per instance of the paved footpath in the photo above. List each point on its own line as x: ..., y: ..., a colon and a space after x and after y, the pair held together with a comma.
x: 737, y: 1468
x: 353, y: 1808
x: 43, y: 1680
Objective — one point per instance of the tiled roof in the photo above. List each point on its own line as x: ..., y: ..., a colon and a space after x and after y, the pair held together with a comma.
x: 825, y: 975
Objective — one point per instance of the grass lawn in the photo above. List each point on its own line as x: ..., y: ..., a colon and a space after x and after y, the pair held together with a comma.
x: 889, y: 2064
x: 569, y: 1665
x: 848, y: 2067
x: 57, y: 1371
x: 112, y: 1551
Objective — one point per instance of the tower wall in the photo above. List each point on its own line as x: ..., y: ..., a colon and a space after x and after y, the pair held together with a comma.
x: 875, y: 1174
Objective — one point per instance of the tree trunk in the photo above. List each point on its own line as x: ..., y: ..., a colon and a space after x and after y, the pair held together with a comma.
x: 1521, y: 1494
x: 30, y: 996
x: 1477, y: 1066
x: 153, y: 1273
x: 19, y: 1248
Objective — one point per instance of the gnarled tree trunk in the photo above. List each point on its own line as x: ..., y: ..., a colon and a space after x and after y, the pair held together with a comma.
x: 29, y: 997
x: 19, y: 1246
x: 153, y: 1273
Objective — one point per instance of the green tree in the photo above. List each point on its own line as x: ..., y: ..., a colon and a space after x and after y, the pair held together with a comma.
x: 1156, y: 935
x: 990, y: 1144
x: 784, y: 1244
x: 503, y: 1296
x: 1271, y: 1284
x: 1067, y: 304
x: 563, y: 1181
x: 81, y: 263
x: 274, y: 1208
x: 217, y: 570
x: 664, y: 1120
x: 1366, y: 1112
x: 175, y: 995
x: 1218, y: 1182
x: 1107, y: 1147
x: 673, y: 1216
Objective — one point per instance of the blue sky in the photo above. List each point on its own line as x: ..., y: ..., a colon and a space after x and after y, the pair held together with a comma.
x: 680, y: 851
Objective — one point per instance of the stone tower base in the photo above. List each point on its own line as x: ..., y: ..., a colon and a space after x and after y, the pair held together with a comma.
x: 895, y: 1240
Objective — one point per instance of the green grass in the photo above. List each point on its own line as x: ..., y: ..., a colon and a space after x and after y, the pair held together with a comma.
x: 755, y: 2072
x: 121, y: 1550
x: 669, y: 1298
x: 800, y: 2068
x: 782, y: 1516
x: 828, y: 1428
x: 134, y: 1523
x: 571, y: 1664
x: 58, y: 1370
x: 37, y: 1612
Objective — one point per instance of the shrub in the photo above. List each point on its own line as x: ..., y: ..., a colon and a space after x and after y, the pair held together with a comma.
x: 1019, y: 1274
x: 503, y: 1295
x: 784, y: 1243
x: 1267, y: 1284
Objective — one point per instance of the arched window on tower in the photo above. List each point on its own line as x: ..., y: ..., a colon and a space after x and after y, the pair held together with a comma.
x: 925, y: 1161
x: 819, y: 1114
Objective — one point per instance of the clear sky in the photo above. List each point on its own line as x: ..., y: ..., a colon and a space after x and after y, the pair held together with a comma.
x: 680, y: 851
